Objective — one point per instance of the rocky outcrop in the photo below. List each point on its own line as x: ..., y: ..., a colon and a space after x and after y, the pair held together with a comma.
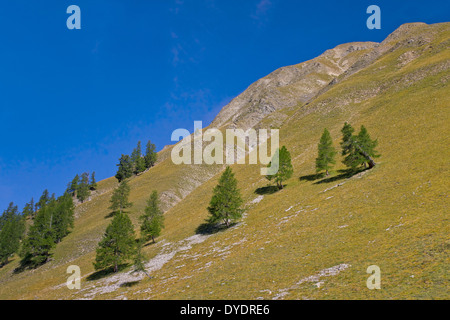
x: 289, y: 86
x: 298, y: 84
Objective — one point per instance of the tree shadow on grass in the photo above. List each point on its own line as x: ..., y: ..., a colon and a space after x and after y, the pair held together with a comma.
x: 208, y: 229
x: 267, y: 190
x: 149, y: 243
x: 5, y: 263
x: 26, y: 264
x: 21, y: 268
x: 312, y: 177
x: 105, y: 272
x: 110, y: 215
x: 343, y: 174
x: 129, y: 284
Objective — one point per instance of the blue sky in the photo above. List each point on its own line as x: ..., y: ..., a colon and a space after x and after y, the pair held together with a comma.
x: 74, y: 100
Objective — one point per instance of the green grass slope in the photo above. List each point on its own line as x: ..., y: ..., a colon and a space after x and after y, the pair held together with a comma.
x: 316, y: 238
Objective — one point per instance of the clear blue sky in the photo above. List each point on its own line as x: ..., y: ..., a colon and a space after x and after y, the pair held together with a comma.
x: 74, y: 100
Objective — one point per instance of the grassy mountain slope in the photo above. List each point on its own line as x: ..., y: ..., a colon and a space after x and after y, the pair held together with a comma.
x: 316, y: 238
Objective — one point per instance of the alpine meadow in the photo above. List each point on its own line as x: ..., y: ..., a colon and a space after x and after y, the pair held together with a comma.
x: 363, y: 181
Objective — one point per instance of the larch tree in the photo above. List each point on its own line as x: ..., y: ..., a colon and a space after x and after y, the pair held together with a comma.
x: 358, y: 150
x: 83, y: 191
x: 51, y: 224
x: 40, y: 240
x: 137, y: 159
x: 150, y: 155
x: 119, y: 199
x: 63, y: 217
x: 12, y: 228
x: 28, y: 210
x: 152, y: 221
x: 366, y: 147
x: 93, y: 183
x: 118, y: 244
x: 43, y: 200
x: 326, y: 153
x: 125, y: 169
x: 285, y: 169
x: 139, y: 262
x: 73, y: 185
x: 226, y: 202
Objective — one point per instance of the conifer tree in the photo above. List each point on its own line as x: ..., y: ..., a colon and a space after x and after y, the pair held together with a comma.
x: 366, y: 146
x: 40, y: 239
x: 52, y: 223
x: 139, y: 265
x: 12, y: 228
x: 137, y: 153
x: 125, y: 170
x: 93, y: 183
x: 73, y: 185
x: 152, y: 221
x: 83, y: 190
x: 43, y: 200
x: 8, y: 214
x: 119, y: 199
x: 118, y: 244
x: 137, y: 159
x: 326, y: 153
x: 28, y: 210
x: 285, y: 169
x: 226, y: 202
x: 358, y: 150
x: 63, y: 217
x: 140, y: 166
x: 150, y: 155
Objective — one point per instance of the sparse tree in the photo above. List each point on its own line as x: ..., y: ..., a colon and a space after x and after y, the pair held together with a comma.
x: 63, y: 217
x: 8, y: 214
x: 12, y: 228
x: 52, y: 222
x: 119, y: 199
x: 73, y: 185
x: 137, y: 153
x: 43, y: 200
x: 140, y: 166
x: 83, y: 190
x: 366, y: 146
x: 226, y: 202
x: 150, y: 155
x: 352, y: 157
x: 285, y: 169
x: 125, y: 170
x: 137, y: 159
x: 93, y: 183
x: 40, y: 239
x: 152, y: 221
x: 118, y: 244
x: 358, y: 150
x: 139, y: 262
x: 326, y: 153
x: 28, y: 210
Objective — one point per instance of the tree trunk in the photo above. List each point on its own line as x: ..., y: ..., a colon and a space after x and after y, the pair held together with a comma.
x: 365, y: 155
